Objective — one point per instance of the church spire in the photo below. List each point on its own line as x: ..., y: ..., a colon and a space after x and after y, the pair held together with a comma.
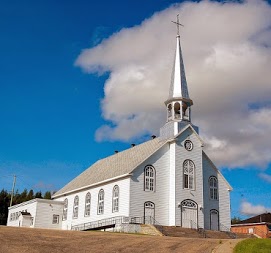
x: 178, y: 102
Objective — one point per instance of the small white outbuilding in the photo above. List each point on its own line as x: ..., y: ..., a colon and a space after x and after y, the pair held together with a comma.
x: 36, y: 213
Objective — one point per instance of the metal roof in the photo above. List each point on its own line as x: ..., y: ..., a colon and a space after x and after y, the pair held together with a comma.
x: 178, y: 86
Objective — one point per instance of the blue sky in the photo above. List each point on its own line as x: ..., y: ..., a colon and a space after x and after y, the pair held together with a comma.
x: 56, y: 118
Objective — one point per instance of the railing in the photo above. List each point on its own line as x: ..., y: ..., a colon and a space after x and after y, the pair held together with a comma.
x: 101, y: 223
x: 157, y: 225
x: 227, y: 230
x: 117, y: 220
x: 202, y: 232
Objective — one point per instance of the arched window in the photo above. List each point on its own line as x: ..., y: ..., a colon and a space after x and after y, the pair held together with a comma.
x: 65, y: 209
x: 213, y: 187
x: 149, y: 184
x: 188, y: 174
x: 75, y: 207
x: 87, y: 204
x: 115, y: 199
x: 101, y: 202
x: 177, y: 113
x: 169, y: 111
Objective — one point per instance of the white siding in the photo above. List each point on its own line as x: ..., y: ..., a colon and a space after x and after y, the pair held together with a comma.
x: 172, y: 185
x: 209, y: 203
x: 160, y: 161
x: 41, y: 210
x: 29, y: 206
x: 45, y: 212
x: 194, y: 155
x: 222, y: 205
x: 124, y: 186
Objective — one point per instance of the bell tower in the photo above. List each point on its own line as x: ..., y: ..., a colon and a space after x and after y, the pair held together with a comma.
x: 178, y: 103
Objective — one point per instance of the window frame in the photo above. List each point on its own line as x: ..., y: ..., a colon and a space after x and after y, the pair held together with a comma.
x: 87, y: 204
x: 213, y: 189
x: 100, y: 205
x: 115, y: 199
x: 149, y: 180
x: 75, y: 207
x: 65, y: 209
x: 55, y: 219
x: 189, y: 177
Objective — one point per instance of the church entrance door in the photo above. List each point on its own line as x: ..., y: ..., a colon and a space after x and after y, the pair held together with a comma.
x: 149, y: 212
x: 214, y: 220
x: 189, y: 212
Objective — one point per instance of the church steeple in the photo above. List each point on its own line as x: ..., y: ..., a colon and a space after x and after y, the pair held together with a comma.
x: 178, y: 103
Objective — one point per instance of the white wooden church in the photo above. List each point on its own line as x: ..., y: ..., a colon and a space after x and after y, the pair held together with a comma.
x: 168, y: 180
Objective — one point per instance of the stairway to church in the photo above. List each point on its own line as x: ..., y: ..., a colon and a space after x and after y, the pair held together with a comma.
x: 194, y: 233
x: 180, y: 232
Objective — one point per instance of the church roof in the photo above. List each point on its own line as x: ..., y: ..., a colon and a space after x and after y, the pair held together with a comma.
x: 114, y: 166
x: 265, y: 217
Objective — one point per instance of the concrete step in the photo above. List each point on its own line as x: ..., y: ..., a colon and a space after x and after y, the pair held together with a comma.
x: 148, y: 229
x: 181, y: 232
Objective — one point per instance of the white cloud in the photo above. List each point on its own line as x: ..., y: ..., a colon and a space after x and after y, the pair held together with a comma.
x: 227, y: 55
x: 247, y: 208
x: 265, y: 177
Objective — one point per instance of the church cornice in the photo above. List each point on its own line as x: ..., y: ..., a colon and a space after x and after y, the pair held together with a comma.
x: 189, y: 101
x: 92, y: 185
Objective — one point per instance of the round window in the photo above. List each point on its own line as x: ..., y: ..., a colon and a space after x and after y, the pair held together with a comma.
x: 188, y: 145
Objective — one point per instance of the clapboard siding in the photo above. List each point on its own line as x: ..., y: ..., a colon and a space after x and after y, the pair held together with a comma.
x: 172, y: 184
x: 222, y: 205
x: 45, y: 212
x: 209, y: 203
x: 41, y: 210
x: 196, y: 156
x: 29, y: 206
x: 160, y: 161
x: 124, y: 186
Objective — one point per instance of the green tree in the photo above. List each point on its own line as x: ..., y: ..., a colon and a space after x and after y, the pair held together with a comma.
x: 47, y: 195
x: 38, y: 195
x: 23, y: 196
x: 4, y: 204
x: 235, y: 220
x: 30, y: 195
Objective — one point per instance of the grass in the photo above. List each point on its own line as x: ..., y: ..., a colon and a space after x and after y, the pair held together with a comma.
x: 253, y: 246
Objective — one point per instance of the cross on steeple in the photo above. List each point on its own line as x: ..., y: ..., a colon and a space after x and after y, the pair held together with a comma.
x: 178, y: 25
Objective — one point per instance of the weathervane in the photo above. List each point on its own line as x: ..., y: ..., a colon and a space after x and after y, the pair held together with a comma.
x: 178, y: 25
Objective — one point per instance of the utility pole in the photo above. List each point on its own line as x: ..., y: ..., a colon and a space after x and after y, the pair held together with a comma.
x: 12, y: 191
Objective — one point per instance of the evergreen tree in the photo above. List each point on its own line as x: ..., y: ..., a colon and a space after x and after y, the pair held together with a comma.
x: 30, y: 195
x: 4, y: 203
x: 235, y: 220
x: 38, y: 195
x: 23, y: 196
x: 47, y: 195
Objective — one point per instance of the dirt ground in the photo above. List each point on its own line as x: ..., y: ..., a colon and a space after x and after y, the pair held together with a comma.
x: 20, y: 240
